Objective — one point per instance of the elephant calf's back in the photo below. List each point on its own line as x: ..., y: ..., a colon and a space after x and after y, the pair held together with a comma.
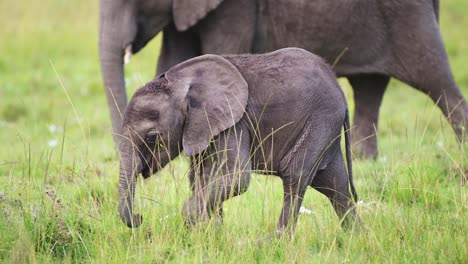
x: 290, y: 91
x: 290, y: 76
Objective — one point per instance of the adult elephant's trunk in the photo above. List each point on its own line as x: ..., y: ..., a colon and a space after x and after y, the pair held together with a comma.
x: 114, y: 85
x: 117, y: 29
x: 129, y: 165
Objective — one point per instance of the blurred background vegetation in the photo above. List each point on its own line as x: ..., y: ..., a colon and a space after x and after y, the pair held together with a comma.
x: 58, y: 166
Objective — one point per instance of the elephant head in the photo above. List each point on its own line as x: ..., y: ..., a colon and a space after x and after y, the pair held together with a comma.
x: 126, y: 26
x: 182, y: 109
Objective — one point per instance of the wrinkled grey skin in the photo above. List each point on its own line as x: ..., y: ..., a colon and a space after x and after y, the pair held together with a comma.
x: 370, y: 40
x: 279, y: 113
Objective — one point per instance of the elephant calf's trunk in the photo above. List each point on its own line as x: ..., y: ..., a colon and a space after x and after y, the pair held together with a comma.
x: 127, y: 216
x: 126, y: 196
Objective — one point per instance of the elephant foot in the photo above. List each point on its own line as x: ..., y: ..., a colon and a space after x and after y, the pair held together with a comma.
x: 194, y: 218
x: 364, y: 153
x: 266, y: 240
x: 195, y: 213
x: 275, y: 236
x: 134, y: 222
x: 218, y: 219
x: 353, y: 223
x: 365, y: 148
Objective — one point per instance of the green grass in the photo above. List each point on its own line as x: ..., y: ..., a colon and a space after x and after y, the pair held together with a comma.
x: 58, y: 167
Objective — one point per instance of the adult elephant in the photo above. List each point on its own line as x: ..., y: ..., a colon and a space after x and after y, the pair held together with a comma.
x: 370, y: 41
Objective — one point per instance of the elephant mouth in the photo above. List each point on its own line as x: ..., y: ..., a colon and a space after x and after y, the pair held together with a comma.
x: 146, y: 172
x: 148, y: 168
x: 151, y: 165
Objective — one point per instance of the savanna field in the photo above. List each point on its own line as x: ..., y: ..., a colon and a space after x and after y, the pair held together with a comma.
x: 59, y: 168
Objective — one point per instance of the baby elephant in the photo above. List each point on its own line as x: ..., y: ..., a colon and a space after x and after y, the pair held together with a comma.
x: 279, y: 113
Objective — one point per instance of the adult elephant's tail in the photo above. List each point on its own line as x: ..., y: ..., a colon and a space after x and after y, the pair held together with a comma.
x: 349, y: 162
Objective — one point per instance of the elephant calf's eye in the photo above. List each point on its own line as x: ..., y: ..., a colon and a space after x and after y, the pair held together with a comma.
x: 151, y: 137
x: 152, y: 115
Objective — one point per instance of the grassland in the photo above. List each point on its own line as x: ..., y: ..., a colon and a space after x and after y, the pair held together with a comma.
x: 58, y: 167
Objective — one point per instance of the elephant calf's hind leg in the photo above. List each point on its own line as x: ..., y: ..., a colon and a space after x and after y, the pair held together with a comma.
x: 219, y: 177
x: 333, y: 182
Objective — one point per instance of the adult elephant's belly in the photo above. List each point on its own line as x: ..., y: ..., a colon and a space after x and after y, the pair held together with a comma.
x: 348, y: 33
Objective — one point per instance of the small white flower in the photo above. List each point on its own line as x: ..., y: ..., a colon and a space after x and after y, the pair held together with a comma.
x: 383, y: 159
x: 52, y: 128
x: 52, y: 143
x: 304, y: 210
x: 440, y: 144
x: 164, y: 218
x: 369, y: 205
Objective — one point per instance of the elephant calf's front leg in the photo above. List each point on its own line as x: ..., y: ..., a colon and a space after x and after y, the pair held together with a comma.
x: 216, y: 178
x: 207, y: 198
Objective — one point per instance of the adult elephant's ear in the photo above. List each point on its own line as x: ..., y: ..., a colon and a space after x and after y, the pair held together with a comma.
x: 187, y: 13
x: 215, y: 94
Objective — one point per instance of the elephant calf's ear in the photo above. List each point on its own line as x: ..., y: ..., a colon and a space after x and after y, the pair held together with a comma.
x: 187, y: 13
x: 216, y: 98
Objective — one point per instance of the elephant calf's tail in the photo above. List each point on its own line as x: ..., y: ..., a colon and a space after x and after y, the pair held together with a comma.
x: 349, y: 162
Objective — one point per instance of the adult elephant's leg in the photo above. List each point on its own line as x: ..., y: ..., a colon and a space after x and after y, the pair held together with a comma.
x: 229, y: 29
x: 422, y: 62
x: 435, y: 79
x: 368, y: 93
x: 177, y: 47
